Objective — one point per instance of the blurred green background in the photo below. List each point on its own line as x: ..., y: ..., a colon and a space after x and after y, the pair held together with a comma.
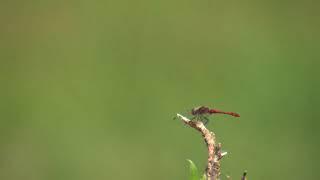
x: 89, y: 88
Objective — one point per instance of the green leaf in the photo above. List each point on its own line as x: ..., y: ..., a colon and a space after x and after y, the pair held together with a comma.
x: 204, y: 177
x: 194, y: 174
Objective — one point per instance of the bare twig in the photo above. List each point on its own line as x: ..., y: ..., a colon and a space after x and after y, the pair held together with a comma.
x: 244, y: 176
x: 214, y: 151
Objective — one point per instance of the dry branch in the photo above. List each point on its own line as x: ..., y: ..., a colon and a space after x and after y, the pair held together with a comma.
x: 214, y: 150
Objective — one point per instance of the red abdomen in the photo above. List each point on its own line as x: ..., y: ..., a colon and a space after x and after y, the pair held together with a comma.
x: 215, y: 111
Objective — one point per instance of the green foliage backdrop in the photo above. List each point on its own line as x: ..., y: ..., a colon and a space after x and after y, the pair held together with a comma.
x: 89, y: 88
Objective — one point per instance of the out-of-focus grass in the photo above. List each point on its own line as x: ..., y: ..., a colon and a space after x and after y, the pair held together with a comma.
x: 89, y: 88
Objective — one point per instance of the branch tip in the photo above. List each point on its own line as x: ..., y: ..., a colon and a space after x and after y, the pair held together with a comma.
x: 244, y: 176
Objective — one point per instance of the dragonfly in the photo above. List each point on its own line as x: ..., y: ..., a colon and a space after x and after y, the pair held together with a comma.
x: 201, y: 113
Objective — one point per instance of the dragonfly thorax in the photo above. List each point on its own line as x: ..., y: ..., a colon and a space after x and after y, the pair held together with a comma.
x: 201, y: 110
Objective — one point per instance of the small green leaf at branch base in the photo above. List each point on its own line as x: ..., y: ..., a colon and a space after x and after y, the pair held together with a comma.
x: 204, y: 177
x: 194, y: 173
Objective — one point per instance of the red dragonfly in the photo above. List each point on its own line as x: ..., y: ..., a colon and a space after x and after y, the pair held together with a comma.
x: 201, y: 113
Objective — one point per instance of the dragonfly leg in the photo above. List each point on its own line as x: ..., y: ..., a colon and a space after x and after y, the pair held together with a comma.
x: 196, y: 118
x: 206, y: 120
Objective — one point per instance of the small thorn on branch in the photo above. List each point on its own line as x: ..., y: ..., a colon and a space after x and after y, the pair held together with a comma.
x: 219, y: 152
x: 223, y: 154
